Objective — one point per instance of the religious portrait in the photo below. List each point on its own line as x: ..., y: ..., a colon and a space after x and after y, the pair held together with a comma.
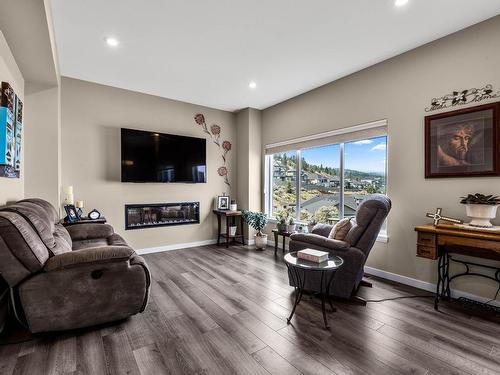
x: 462, y: 143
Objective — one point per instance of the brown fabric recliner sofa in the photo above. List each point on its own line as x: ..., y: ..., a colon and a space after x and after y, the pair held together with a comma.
x: 66, y: 278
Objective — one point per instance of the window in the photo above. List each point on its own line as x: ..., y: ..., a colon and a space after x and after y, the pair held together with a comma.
x: 333, y: 179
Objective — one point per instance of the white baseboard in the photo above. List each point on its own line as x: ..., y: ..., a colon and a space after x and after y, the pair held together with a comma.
x: 424, y: 285
x: 176, y: 246
x: 185, y: 245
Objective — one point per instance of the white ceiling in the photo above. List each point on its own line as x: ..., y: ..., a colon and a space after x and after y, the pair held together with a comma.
x: 207, y: 51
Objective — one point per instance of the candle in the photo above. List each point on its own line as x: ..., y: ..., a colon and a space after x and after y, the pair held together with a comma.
x: 69, y: 198
x: 79, y: 204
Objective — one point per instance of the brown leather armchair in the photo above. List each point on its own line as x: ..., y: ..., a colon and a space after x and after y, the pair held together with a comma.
x: 67, y: 278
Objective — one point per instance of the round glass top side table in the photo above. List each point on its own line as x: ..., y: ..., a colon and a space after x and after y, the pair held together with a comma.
x: 300, y: 269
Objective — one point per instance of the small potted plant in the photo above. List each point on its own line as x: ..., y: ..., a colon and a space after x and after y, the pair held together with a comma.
x: 257, y: 220
x: 291, y: 225
x: 281, y: 219
x: 310, y: 224
x: 481, y: 209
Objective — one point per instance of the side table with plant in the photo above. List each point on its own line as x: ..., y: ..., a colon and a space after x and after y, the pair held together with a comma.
x: 258, y: 221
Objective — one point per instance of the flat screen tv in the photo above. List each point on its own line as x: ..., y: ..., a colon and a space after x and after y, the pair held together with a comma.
x: 157, y: 157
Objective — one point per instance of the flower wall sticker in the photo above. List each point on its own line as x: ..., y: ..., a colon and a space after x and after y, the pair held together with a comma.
x: 463, y: 97
x: 215, y: 134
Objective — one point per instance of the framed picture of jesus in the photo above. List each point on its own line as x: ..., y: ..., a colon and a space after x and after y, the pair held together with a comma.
x: 463, y: 143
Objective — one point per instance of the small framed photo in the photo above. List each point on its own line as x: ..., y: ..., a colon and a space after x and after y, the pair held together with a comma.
x: 72, y: 213
x: 223, y: 203
x: 463, y: 143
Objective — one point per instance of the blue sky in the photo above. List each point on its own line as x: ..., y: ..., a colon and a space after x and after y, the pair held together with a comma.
x: 368, y: 155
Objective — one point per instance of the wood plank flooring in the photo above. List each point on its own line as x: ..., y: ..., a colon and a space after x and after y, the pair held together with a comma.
x: 222, y: 311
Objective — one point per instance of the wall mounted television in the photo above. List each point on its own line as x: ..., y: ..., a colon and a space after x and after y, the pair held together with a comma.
x: 156, y: 157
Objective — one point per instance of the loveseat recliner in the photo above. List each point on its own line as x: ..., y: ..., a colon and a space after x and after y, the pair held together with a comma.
x: 66, y: 278
x: 354, y: 249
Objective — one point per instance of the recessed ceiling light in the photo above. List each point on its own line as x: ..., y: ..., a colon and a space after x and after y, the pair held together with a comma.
x: 252, y: 85
x: 400, y: 3
x: 112, y: 42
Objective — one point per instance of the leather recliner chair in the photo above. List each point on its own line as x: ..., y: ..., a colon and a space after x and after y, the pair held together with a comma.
x: 65, y: 278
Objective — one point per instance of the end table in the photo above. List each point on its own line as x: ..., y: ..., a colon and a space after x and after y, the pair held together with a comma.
x: 301, y: 269
x: 276, y: 238
x: 231, y: 219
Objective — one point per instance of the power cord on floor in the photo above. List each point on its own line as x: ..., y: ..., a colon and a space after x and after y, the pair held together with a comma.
x: 396, y: 298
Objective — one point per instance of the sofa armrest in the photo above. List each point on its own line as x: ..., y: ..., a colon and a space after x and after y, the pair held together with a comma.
x: 88, y: 256
x: 319, y: 240
x: 89, y: 231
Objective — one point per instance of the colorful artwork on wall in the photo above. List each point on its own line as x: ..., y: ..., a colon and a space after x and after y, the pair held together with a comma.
x: 225, y: 146
x: 11, y: 125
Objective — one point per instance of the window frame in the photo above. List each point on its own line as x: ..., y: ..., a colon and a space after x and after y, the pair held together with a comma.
x: 268, y: 182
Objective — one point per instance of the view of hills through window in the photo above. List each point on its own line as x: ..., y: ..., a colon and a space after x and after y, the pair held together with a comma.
x: 321, y: 179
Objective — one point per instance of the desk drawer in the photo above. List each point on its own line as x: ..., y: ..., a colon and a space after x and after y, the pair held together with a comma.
x: 427, y: 252
x: 426, y: 239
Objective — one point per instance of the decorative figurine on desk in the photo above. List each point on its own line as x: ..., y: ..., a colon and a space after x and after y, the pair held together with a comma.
x: 438, y: 217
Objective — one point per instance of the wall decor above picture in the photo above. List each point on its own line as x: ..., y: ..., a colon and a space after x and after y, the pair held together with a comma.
x: 463, y: 143
x: 226, y: 146
x: 462, y: 97
x: 11, y: 124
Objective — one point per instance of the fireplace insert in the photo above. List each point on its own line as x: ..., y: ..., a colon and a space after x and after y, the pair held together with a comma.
x: 139, y: 216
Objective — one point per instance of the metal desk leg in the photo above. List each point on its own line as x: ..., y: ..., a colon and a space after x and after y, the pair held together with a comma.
x: 275, y: 242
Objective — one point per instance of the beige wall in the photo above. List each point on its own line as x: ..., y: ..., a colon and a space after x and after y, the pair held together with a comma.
x: 399, y: 90
x: 249, y: 135
x: 92, y: 116
x: 11, y: 189
x: 42, y: 144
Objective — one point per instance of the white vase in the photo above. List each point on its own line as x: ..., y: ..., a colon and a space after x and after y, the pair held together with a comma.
x: 290, y: 228
x: 260, y: 241
x: 232, y: 230
x: 481, y: 214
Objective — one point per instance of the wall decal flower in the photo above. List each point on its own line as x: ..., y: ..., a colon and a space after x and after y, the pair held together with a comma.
x: 215, y: 133
x: 226, y: 146
x: 215, y: 129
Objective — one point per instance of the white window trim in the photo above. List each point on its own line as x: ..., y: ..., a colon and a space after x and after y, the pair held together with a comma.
x: 383, y: 236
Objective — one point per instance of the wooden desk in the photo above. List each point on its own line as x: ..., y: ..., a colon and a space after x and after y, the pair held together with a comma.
x: 231, y: 217
x: 444, y: 240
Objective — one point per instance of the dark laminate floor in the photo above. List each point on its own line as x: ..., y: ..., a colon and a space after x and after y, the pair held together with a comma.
x: 218, y: 311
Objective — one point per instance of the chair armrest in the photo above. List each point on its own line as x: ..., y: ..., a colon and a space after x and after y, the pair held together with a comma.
x: 88, y: 256
x: 319, y: 240
x: 89, y: 231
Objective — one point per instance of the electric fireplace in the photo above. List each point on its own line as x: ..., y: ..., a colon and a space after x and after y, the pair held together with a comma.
x: 139, y: 216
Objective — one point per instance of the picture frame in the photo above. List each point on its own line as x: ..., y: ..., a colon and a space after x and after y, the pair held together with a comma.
x: 223, y: 203
x: 463, y: 143
x: 72, y: 214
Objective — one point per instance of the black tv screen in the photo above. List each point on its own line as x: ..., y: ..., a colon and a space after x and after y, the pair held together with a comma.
x: 157, y: 157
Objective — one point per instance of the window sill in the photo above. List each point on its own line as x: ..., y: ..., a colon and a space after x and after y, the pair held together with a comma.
x: 382, y: 236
